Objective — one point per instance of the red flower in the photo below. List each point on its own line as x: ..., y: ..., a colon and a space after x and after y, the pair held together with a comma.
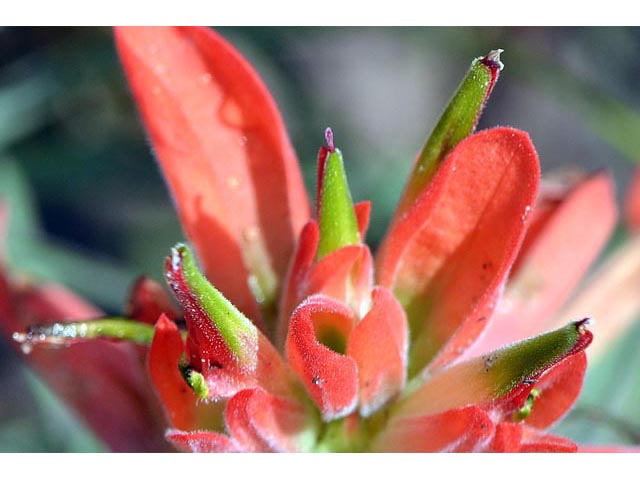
x: 293, y: 341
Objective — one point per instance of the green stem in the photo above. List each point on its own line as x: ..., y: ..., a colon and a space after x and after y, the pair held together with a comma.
x: 116, y: 328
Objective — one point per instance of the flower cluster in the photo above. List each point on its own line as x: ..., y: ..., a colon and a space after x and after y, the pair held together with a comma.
x: 454, y: 336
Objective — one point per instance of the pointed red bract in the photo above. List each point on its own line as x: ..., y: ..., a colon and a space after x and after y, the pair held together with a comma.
x: 567, y: 240
x: 536, y: 441
x: 202, y: 442
x: 330, y: 378
x: 460, y: 430
x: 379, y: 344
x: 260, y: 422
x: 447, y: 258
x: 224, y: 151
x: 363, y: 215
x: 344, y: 275
x: 611, y: 296
x: 559, y: 388
x: 296, y: 282
x: 177, y: 397
x: 148, y: 300
x: 507, y: 438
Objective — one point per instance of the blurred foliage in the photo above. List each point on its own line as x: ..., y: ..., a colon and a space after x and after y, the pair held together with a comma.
x: 90, y: 210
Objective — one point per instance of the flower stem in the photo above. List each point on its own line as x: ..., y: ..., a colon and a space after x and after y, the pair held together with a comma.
x: 116, y: 328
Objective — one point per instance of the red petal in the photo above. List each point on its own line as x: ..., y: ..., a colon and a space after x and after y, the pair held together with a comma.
x: 611, y: 296
x: 460, y: 430
x: 363, y: 215
x: 451, y: 252
x: 260, y: 422
x: 295, y: 285
x: 608, y: 449
x: 103, y: 381
x: 330, y: 378
x: 507, y: 438
x: 223, y: 148
x: 534, y: 441
x: 202, y: 442
x: 379, y: 344
x: 344, y: 275
x: 632, y: 202
x: 559, y: 388
x: 148, y: 300
x: 554, y: 262
x: 164, y: 356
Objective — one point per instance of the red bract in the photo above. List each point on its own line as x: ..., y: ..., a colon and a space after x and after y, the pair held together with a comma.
x: 292, y: 340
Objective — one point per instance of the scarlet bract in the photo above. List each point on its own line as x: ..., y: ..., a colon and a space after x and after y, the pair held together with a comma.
x: 294, y: 337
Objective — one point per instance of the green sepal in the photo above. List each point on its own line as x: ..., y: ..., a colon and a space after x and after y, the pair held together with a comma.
x: 456, y: 123
x: 525, y: 411
x: 196, y: 381
x: 523, y: 360
x: 239, y: 333
x: 338, y: 223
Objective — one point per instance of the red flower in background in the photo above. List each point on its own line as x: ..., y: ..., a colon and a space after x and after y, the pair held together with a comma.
x: 294, y: 337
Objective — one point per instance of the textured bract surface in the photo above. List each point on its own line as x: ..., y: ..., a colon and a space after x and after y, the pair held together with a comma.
x: 288, y: 334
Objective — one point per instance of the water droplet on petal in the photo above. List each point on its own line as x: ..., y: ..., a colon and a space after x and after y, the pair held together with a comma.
x: 527, y: 209
x: 233, y: 182
x: 26, y: 347
x: 24, y: 339
x: 231, y: 114
x: 251, y: 233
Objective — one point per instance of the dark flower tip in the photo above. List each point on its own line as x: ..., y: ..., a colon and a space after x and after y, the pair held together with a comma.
x: 492, y: 59
x: 328, y: 135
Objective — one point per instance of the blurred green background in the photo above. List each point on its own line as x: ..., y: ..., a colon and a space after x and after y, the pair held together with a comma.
x: 90, y: 210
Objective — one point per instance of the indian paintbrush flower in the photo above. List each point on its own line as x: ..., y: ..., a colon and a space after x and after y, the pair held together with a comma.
x: 293, y: 336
